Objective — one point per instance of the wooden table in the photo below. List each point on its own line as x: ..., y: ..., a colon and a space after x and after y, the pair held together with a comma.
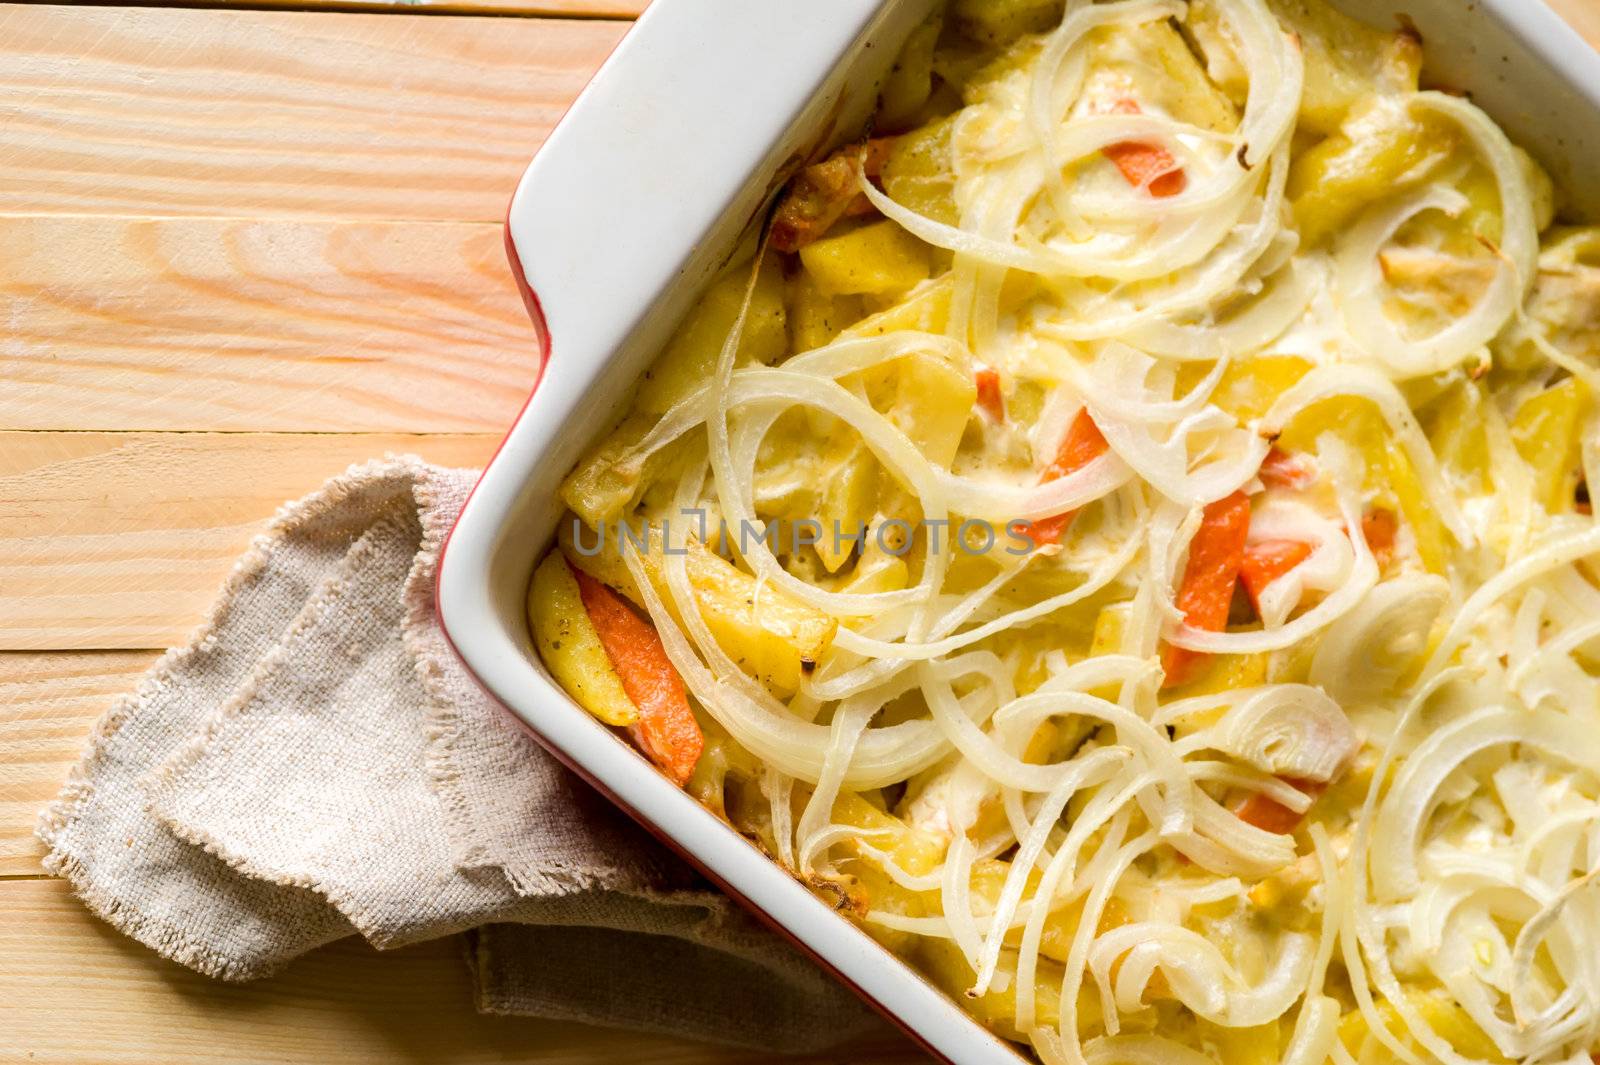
x: 240, y: 249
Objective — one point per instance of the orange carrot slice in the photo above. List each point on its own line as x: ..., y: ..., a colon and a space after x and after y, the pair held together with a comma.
x: 1206, y: 592
x: 989, y: 397
x: 1380, y: 526
x: 1081, y: 446
x: 666, y: 730
x: 1283, y: 470
x: 1266, y: 561
x: 1270, y: 814
x: 1147, y: 166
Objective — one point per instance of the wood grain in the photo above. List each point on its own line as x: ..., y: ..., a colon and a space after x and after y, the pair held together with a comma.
x: 48, y: 704
x: 120, y: 540
x: 72, y: 990
x: 1583, y: 15
x: 264, y: 325
x: 163, y: 111
x: 561, y: 8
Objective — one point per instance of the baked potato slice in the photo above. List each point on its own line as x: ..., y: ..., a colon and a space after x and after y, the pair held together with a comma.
x: 918, y: 173
x: 1384, y: 147
x: 606, y: 483
x: 570, y: 647
x: 691, y: 355
x: 999, y: 22
x: 878, y: 259
x: 1346, y: 61
x: 910, y: 82
x: 1547, y: 430
x: 768, y: 634
x: 816, y: 317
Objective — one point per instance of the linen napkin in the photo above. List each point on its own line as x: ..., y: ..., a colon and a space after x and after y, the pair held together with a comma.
x: 316, y: 763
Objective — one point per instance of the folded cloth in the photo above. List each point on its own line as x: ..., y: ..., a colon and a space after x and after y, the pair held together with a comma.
x: 315, y: 762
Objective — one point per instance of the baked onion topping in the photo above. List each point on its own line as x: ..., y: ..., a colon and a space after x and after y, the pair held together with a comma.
x: 1194, y: 651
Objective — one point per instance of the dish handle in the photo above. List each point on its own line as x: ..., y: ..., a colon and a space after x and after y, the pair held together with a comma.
x: 631, y: 200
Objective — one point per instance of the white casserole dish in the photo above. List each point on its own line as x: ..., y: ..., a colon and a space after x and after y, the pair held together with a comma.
x: 670, y: 155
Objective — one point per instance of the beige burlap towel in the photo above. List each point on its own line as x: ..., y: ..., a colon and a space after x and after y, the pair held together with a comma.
x: 315, y: 763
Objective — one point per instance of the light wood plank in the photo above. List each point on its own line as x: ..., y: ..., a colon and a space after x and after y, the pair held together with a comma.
x: 263, y: 325
x: 224, y: 112
x: 120, y: 540
x: 74, y: 991
x: 166, y: 111
x: 48, y: 704
x: 559, y: 8
x: 1584, y: 15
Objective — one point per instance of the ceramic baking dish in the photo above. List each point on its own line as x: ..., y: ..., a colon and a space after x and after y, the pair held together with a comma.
x: 663, y: 164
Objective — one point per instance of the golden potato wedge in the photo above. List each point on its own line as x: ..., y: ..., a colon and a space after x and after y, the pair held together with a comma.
x: 944, y: 964
x: 1444, y: 1015
x: 875, y: 570
x: 789, y: 466
x: 1455, y: 429
x: 866, y: 884
x: 1346, y: 61
x: 1256, y: 1045
x: 916, y: 851
x: 933, y: 403
x: 599, y: 553
x: 1384, y: 146
x: 816, y: 317
x: 910, y: 82
x: 817, y: 473
x: 998, y: 22
x: 878, y: 259
x: 918, y: 173
x: 1482, y: 216
x: 925, y: 311
x: 569, y: 646
x: 1249, y: 387
x: 1547, y: 430
x: 604, y: 485
x: 846, y: 500
x: 691, y: 356
x: 769, y: 634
